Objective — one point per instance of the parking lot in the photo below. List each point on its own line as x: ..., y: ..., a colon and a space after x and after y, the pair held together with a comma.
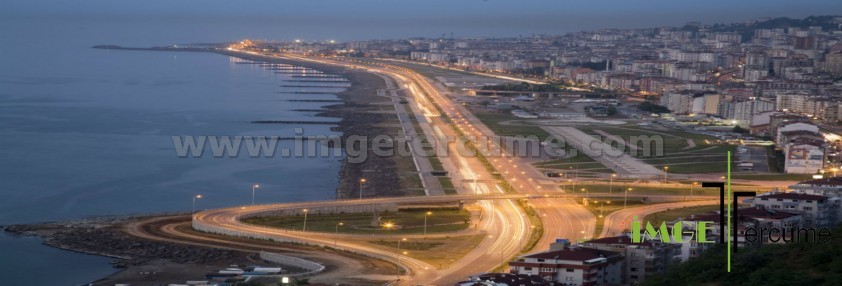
x: 755, y: 155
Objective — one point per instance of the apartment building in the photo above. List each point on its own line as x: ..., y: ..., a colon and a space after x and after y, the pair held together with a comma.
x: 572, y: 265
x: 640, y: 260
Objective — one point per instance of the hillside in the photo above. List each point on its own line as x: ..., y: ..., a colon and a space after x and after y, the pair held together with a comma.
x: 779, y: 264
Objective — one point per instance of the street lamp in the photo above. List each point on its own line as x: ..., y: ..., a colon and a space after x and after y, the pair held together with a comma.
x: 665, y: 173
x: 336, y: 233
x: 253, y: 187
x: 691, y: 188
x: 611, y: 183
x: 194, y: 202
x: 399, y: 258
x: 626, y: 197
x: 602, y: 207
x: 425, y: 221
x: 362, y: 181
x: 304, y: 228
x: 476, y: 186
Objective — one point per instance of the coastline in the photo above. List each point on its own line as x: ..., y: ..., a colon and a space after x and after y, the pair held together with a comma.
x: 359, y: 117
x: 362, y: 112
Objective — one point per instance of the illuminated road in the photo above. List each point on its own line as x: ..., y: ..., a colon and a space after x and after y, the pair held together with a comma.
x: 507, y: 228
x: 505, y: 223
x: 562, y: 218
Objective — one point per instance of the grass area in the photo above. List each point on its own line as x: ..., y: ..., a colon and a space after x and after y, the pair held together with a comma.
x: 772, y: 177
x: 408, y: 245
x: 671, y: 148
x: 440, y: 252
x: 537, y: 226
x: 674, y: 214
x: 436, y: 163
x: 447, y: 185
x: 579, y: 158
x: 493, y: 121
x: 653, y: 189
x: 409, y: 180
x: 580, y: 162
x: 405, y: 222
x: 698, y: 167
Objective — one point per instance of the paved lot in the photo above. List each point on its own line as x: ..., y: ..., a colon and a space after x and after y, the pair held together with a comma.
x: 755, y: 155
x: 614, y: 159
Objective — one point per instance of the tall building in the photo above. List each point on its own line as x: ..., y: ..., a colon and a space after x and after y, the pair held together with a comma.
x: 677, y: 102
x: 833, y: 63
x: 745, y: 110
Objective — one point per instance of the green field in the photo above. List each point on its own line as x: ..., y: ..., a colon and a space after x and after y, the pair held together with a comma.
x: 674, y: 214
x: 440, y: 252
x: 494, y: 122
x: 404, y: 222
x: 652, y: 189
x: 672, y: 149
x: 772, y: 177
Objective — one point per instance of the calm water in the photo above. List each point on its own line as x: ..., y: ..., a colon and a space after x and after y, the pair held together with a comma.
x: 86, y: 132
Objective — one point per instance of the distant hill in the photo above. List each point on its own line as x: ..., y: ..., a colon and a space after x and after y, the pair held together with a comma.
x: 775, y: 264
x: 746, y: 30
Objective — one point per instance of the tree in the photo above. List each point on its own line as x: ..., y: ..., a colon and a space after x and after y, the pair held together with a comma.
x: 738, y: 129
x: 653, y: 108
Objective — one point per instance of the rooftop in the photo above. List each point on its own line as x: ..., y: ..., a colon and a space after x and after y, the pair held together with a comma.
x: 793, y: 196
x: 621, y: 239
x: 833, y: 181
x: 573, y: 254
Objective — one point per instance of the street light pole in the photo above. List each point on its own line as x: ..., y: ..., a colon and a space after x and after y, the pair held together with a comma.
x: 362, y: 181
x: 304, y: 228
x: 399, y: 258
x: 693, y: 184
x: 611, y: 183
x: 665, y: 173
x: 194, y: 203
x: 626, y: 197
x: 336, y: 233
x: 305, y: 221
x: 476, y: 187
x: 253, y: 187
x: 425, y: 221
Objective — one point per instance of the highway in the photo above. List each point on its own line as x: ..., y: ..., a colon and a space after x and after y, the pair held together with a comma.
x: 507, y: 227
x: 568, y: 219
x: 564, y: 217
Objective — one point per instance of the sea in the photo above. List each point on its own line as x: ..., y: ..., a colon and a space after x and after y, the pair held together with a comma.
x: 89, y: 132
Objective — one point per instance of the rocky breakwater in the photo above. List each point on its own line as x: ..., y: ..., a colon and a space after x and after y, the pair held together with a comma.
x: 106, y: 237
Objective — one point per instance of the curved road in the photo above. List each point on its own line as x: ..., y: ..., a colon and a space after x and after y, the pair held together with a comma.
x: 619, y: 221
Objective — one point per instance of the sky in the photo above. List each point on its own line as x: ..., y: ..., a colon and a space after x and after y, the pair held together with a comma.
x: 368, y: 19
